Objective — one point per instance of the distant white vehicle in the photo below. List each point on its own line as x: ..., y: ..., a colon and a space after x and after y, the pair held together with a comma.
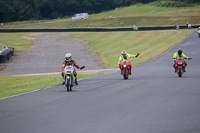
x: 80, y: 16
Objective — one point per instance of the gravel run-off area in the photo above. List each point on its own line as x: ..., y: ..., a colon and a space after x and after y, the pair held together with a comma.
x: 47, y: 55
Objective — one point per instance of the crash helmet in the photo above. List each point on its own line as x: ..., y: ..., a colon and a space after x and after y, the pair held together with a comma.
x: 180, y: 52
x: 68, y: 56
x: 123, y: 53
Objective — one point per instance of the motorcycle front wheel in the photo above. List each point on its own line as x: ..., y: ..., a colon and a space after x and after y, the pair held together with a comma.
x: 67, y: 83
x: 125, y: 74
x: 179, y: 72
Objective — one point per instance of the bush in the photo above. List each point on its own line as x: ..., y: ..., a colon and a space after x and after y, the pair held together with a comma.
x: 173, y: 3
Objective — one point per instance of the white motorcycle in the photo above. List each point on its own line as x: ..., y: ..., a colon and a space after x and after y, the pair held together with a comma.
x: 69, y: 77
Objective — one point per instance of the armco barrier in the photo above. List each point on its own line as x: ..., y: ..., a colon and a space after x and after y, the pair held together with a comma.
x: 5, y: 54
x: 95, y: 29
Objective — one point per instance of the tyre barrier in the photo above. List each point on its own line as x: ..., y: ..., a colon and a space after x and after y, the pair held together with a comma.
x: 6, y: 53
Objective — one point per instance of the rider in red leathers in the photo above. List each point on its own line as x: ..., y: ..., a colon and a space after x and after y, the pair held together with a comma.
x: 70, y: 61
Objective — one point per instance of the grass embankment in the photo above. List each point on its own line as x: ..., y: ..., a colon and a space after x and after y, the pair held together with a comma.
x: 15, y: 40
x: 148, y: 43
x: 140, y: 15
x: 13, y: 85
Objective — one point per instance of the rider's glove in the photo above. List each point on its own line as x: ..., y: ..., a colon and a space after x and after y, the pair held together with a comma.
x: 137, y: 55
x: 82, y: 67
x: 119, y: 65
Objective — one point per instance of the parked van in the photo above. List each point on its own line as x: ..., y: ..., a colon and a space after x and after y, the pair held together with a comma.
x: 80, y: 16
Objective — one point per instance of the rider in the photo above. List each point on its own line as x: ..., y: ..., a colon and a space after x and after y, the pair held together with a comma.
x: 177, y: 55
x: 70, y: 61
x: 126, y: 56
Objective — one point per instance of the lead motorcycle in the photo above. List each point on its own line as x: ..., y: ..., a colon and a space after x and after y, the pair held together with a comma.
x: 69, y: 77
x: 125, y: 68
x: 180, y: 66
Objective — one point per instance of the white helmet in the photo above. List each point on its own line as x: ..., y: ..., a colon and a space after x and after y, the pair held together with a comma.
x: 68, y: 56
x: 123, y: 53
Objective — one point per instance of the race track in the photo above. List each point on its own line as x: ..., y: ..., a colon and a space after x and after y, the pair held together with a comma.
x: 153, y: 100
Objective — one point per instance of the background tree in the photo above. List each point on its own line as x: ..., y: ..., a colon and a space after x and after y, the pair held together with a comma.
x: 17, y: 10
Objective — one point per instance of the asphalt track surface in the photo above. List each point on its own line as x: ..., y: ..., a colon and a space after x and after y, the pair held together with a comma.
x: 153, y: 100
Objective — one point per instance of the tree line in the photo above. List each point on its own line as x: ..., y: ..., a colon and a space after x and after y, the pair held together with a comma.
x: 18, y: 10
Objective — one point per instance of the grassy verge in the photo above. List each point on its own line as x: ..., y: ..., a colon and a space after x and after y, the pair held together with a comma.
x: 13, y: 85
x: 140, y: 15
x: 15, y: 40
x: 148, y: 43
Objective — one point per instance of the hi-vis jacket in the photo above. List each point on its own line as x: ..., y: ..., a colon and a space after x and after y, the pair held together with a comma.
x: 127, y: 56
x: 177, y: 56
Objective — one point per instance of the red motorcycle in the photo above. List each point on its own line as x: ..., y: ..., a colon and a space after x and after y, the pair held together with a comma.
x: 180, y: 66
x: 125, y: 68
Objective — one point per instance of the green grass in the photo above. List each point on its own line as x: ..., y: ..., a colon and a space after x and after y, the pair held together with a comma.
x: 148, y: 43
x: 15, y: 40
x: 140, y: 15
x: 13, y: 85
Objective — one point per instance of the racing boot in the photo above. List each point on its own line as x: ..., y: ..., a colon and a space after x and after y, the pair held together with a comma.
x: 174, y: 68
x: 62, y: 74
x: 76, y: 82
x: 185, y: 67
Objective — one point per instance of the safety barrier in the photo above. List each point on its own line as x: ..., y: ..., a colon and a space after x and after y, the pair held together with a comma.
x: 94, y: 29
x: 6, y: 53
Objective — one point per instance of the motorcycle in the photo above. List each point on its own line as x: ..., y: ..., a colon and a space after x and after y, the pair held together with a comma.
x: 198, y: 32
x: 180, y: 66
x: 69, y: 77
x: 125, y: 68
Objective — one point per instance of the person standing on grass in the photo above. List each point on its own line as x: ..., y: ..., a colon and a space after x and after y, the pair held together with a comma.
x: 135, y: 28
x: 176, y: 26
x: 189, y: 26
